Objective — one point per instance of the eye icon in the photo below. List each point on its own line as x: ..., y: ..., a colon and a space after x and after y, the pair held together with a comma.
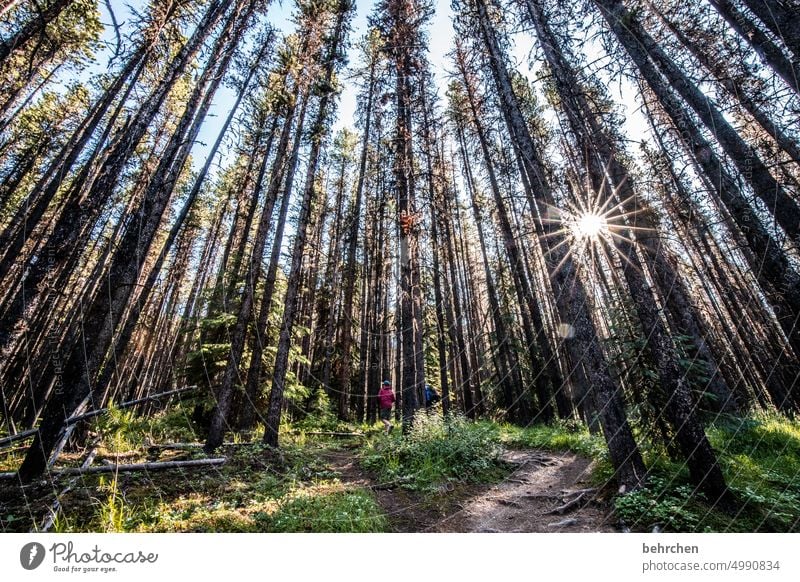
x: 31, y: 555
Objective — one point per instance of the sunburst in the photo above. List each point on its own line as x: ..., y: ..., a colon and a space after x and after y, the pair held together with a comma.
x: 588, y: 225
x: 591, y: 229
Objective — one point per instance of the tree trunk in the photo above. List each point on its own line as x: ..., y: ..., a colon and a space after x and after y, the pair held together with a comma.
x: 318, y: 132
x: 641, y: 47
x: 717, y: 68
x: 78, y: 374
x: 570, y: 293
x: 780, y: 18
x: 219, y: 419
x: 349, y: 274
x: 769, y: 52
x: 610, y: 181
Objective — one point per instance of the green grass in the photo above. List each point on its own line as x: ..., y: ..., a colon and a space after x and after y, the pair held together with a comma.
x: 760, y: 457
x: 322, y: 508
x: 560, y: 436
x: 436, y: 452
x: 11, y: 458
x: 258, y: 490
x: 335, y: 512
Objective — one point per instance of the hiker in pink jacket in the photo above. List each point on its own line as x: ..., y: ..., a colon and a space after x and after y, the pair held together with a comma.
x: 385, y: 401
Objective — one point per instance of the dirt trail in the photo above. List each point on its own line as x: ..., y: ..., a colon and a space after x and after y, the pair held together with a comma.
x: 546, y: 492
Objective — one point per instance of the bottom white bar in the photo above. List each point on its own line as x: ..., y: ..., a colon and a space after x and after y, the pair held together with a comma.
x: 400, y: 557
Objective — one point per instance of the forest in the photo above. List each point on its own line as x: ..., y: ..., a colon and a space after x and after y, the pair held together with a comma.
x: 229, y: 227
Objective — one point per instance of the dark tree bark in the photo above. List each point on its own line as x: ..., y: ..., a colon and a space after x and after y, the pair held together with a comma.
x: 78, y: 374
x: 506, y: 363
x: 541, y: 355
x: 643, y: 50
x: 768, y: 260
x: 349, y: 274
x: 571, y: 296
x: 319, y: 129
x: 261, y: 333
x: 609, y: 177
x: 717, y: 68
x: 403, y: 29
x: 782, y: 19
x: 769, y: 52
x: 219, y: 419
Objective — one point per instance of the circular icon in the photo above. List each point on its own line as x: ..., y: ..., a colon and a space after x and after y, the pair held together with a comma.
x: 31, y: 555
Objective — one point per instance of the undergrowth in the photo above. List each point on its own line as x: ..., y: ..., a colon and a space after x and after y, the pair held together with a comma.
x: 260, y: 489
x: 436, y: 452
x: 336, y: 512
x: 759, y: 456
x: 122, y: 430
x: 760, y: 459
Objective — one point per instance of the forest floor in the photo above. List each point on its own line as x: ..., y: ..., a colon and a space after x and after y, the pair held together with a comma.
x: 524, y: 497
x: 527, y: 500
x: 454, y: 476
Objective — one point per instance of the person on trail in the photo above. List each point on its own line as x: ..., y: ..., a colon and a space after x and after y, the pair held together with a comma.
x: 385, y: 401
x: 431, y: 396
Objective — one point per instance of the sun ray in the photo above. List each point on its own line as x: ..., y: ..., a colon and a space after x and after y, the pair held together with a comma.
x: 622, y: 237
x: 624, y: 214
x: 562, y: 243
x: 590, y: 225
x: 562, y: 262
x: 559, y: 232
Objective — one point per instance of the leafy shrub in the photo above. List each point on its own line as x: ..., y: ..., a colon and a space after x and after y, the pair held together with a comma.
x: 319, y: 414
x: 173, y: 425
x: 663, y: 503
x: 435, y: 452
x: 122, y: 430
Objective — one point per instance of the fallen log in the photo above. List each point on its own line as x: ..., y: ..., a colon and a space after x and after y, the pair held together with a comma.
x: 25, y: 434
x: 160, y: 466
x: 5, y: 441
x: 176, y: 446
x: 98, y: 412
x: 389, y: 484
x: 66, y: 432
x: 130, y: 468
x: 567, y: 492
x: 193, y: 446
x: 114, y: 457
x: 564, y: 522
x: 571, y: 504
x: 335, y: 434
x: 8, y: 451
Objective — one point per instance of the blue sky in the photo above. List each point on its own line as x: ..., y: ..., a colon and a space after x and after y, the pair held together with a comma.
x: 440, y: 41
x: 441, y: 37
